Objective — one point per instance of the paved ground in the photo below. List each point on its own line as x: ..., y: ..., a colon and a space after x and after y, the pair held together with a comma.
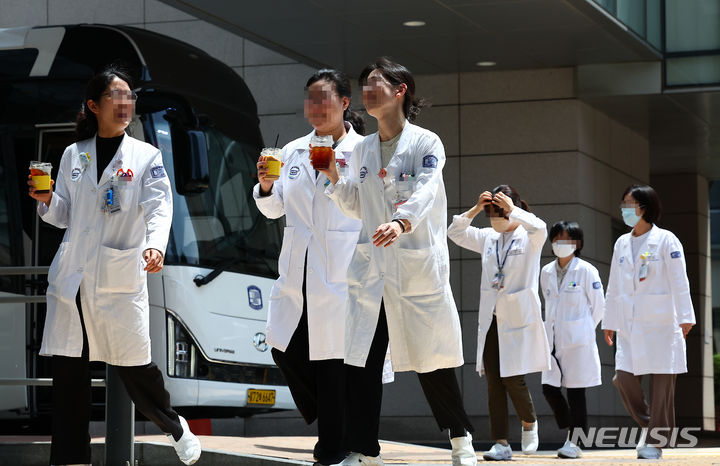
x: 298, y: 450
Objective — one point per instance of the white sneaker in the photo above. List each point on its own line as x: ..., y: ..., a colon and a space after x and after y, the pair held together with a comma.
x: 188, y: 447
x: 498, y: 452
x: 649, y: 452
x: 530, y: 439
x: 356, y: 459
x: 463, y: 453
x: 643, y: 437
x: 569, y: 450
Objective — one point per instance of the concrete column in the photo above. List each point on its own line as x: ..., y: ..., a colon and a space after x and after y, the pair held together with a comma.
x: 686, y: 213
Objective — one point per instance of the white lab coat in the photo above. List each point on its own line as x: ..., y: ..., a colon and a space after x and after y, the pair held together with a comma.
x: 412, y: 275
x: 522, y: 341
x: 646, y: 315
x: 573, y: 309
x: 317, y: 227
x: 102, y: 255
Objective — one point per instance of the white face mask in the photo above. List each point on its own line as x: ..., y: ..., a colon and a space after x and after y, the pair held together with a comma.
x: 499, y: 224
x: 563, y: 249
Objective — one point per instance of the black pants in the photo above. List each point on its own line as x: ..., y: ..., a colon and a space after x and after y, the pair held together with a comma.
x: 71, y: 403
x: 318, y: 389
x: 364, y: 389
x: 570, y: 413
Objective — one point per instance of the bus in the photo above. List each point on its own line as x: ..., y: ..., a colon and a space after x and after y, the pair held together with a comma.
x: 208, y: 306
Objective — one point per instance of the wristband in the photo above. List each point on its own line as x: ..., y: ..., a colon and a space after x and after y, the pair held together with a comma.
x: 402, y: 225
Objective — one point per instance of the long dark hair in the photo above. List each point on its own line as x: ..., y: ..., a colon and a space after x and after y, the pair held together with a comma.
x: 397, y: 74
x: 86, y: 124
x: 342, y: 87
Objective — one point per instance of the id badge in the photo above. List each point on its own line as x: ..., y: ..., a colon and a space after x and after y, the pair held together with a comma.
x: 498, y: 281
x: 643, y: 273
x: 111, y: 199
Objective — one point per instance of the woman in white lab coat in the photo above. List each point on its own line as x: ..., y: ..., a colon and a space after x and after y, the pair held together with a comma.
x: 116, y: 230
x: 399, y: 274
x: 574, y: 305
x: 511, y: 334
x: 306, y: 318
x: 648, y: 306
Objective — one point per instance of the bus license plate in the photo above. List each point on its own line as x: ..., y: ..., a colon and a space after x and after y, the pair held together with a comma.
x: 261, y: 397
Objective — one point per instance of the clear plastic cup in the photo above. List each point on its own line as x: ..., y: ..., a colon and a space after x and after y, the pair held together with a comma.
x: 40, y: 173
x: 273, y: 160
x: 321, y: 151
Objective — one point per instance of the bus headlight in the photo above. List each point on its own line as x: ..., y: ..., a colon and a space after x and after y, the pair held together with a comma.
x: 181, y: 351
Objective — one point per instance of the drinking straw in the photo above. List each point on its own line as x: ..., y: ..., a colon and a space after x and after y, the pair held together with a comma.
x: 277, y: 139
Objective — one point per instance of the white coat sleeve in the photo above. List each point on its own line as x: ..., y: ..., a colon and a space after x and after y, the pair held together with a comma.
x: 272, y: 205
x: 595, y: 294
x: 156, y: 202
x: 612, y: 314
x: 466, y: 236
x: 536, y: 228
x: 345, y: 193
x: 429, y: 161
x: 58, y: 213
x: 679, y: 285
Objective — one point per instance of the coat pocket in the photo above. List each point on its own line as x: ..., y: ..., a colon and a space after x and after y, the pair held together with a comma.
x: 338, y: 245
x: 574, y: 333
x: 420, y: 272
x: 285, y: 251
x: 518, y: 309
x: 655, y: 309
x: 120, y: 270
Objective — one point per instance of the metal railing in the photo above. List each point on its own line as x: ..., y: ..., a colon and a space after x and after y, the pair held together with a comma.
x: 119, y: 408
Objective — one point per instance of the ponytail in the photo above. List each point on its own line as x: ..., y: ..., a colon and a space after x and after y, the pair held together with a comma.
x: 86, y: 123
x: 356, y: 120
x: 397, y: 74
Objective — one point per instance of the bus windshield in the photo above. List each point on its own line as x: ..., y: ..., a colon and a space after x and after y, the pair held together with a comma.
x: 220, y: 227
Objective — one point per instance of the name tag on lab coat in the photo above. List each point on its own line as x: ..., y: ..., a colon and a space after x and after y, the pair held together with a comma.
x: 516, y: 251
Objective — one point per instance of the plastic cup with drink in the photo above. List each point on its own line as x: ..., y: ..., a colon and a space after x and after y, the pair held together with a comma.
x: 273, y: 159
x: 321, y: 151
x: 40, y: 173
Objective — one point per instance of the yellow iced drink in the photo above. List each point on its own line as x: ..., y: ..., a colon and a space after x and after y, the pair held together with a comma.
x: 274, y: 161
x: 40, y: 173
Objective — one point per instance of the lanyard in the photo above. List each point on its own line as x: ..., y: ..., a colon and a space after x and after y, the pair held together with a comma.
x: 497, y: 255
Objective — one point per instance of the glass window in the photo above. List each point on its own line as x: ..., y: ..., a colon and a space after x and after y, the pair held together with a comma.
x: 692, y: 26
x: 697, y: 70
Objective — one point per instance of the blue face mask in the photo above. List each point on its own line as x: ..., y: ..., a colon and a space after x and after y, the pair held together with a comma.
x: 629, y: 216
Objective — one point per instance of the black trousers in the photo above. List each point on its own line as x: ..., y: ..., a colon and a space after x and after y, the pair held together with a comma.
x: 318, y: 389
x: 71, y: 403
x: 570, y: 413
x: 364, y: 391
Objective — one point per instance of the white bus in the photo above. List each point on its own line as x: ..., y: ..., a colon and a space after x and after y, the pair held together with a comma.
x: 209, y: 304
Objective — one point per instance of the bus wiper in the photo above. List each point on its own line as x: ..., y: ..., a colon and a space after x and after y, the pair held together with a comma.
x: 201, y: 280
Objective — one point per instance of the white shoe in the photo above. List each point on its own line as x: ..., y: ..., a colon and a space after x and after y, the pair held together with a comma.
x: 643, y: 437
x: 569, y: 450
x: 498, y: 452
x: 357, y: 459
x: 530, y: 439
x: 463, y: 453
x: 188, y: 447
x: 649, y: 452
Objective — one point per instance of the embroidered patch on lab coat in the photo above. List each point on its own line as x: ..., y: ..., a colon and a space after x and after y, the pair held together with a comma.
x: 157, y: 172
x: 676, y: 254
x: 293, y: 172
x: 622, y: 259
x: 430, y: 161
x: 75, y: 175
x: 597, y: 285
x: 516, y: 251
x: 363, y: 173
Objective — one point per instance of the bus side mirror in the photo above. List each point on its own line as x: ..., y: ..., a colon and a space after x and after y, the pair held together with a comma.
x: 191, y: 161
